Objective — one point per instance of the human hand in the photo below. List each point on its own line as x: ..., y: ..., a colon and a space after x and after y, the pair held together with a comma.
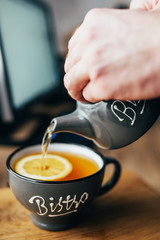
x: 145, y: 4
x: 114, y: 54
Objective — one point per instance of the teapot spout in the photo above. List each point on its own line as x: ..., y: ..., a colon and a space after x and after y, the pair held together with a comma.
x: 74, y: 123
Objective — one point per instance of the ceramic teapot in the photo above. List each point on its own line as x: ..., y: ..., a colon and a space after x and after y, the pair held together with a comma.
x: 110, y: 124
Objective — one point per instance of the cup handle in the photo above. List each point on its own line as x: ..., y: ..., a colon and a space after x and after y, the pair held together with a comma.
x: 115, y: 177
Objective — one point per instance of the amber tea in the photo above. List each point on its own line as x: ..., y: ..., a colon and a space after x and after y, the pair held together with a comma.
x: 59, y: 166
x: 81, y: 166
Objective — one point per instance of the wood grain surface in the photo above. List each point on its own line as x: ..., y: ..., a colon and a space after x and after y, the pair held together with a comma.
x: 130, y: 211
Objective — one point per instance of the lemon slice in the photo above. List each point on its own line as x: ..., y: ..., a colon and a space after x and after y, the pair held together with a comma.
x: 55, y: 167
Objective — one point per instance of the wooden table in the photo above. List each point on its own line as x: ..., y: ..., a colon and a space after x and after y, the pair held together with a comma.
x: 130, y: 211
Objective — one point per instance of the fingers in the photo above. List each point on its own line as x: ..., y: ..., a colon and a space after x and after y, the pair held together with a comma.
x: 91, y: 93
x: 72, y: 58
x: 138, y: 4
x: 76, y: 48
x: 145, y: 4
x: 72, y: 42
x: 76, y: 79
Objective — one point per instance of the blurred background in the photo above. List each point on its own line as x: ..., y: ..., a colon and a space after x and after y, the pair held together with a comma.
x: 68, y: 14
x: 33, y: 44
x: 34, y: 36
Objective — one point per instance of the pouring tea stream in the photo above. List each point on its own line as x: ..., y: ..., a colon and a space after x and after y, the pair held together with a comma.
x: 109, y: 124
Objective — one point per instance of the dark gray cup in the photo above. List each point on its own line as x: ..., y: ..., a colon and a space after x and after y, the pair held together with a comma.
x: 58, y: 205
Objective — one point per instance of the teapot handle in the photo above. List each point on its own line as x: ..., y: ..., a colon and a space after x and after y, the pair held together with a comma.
x: 115, y: 177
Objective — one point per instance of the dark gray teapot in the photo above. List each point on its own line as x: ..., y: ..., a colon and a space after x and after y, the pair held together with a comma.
x: 113, y: 124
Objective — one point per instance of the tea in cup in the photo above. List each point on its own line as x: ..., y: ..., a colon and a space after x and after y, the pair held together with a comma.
x: 57, y: 204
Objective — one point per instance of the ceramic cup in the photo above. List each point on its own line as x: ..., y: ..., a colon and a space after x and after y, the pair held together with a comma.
x: 59, y: 205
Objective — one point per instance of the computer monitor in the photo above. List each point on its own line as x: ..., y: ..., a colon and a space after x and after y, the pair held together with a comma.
x: 29, y: 57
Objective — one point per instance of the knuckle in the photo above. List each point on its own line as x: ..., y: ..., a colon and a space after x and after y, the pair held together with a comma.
x: 89, y: 96
x: 95, y: 74
x: 90, y: 35
x: 96, y: 53
x: 95, y: 71
x: 67, y: 82
x: 75, y: 94
x: 92, y: 56
x: 71, y: 93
